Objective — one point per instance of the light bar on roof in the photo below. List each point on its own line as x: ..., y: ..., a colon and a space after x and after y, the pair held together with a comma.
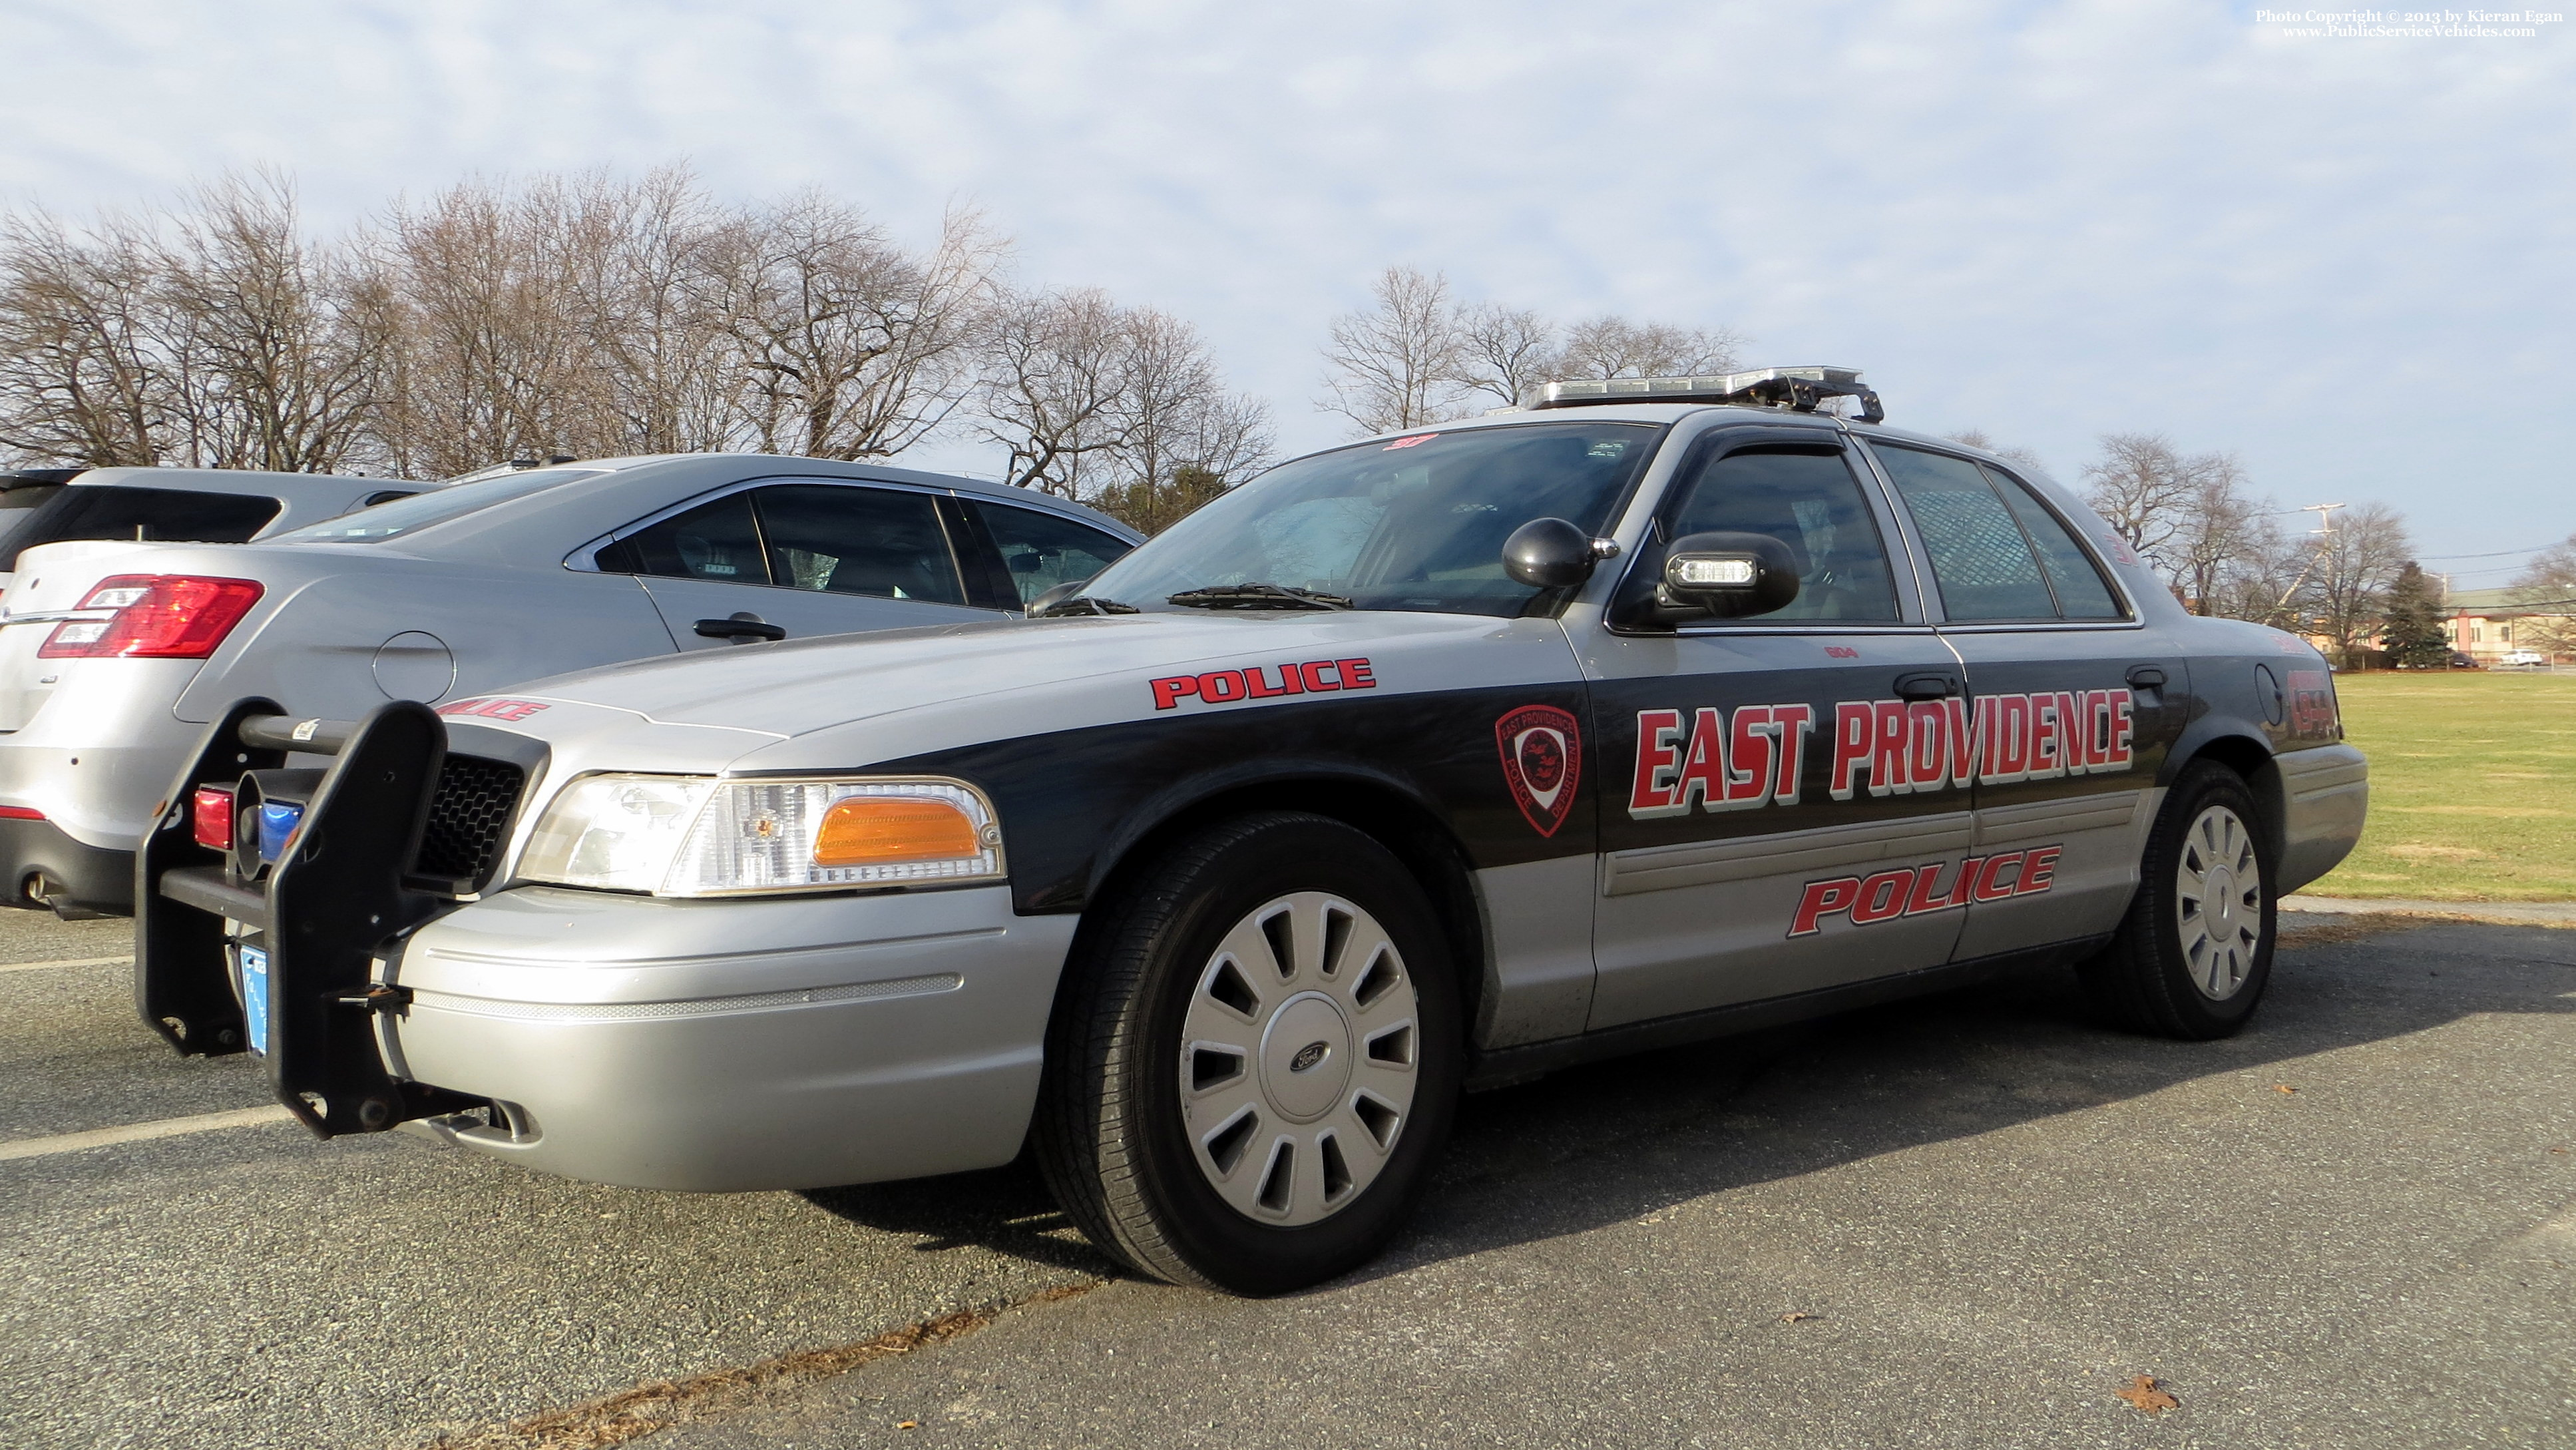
x: 1799, y: 388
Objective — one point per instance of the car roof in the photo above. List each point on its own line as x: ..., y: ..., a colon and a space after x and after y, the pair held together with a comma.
x: 242, y: 480
x: 1717, y: 415
x: 869, y: 468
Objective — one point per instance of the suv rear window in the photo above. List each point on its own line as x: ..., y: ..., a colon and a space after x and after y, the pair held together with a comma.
x: 114, y: 511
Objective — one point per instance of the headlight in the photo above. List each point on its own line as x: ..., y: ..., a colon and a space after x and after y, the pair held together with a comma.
x: 684, y: 836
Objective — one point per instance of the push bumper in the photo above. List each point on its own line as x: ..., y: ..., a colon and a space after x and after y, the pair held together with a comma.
x: 732, y: 1044
x: 745, y: 1043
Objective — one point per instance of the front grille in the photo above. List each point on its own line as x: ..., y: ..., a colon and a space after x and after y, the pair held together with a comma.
x: 469, y: 817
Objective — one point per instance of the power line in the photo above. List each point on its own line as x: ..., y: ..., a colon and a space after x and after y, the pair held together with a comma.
x: 2498, y: 554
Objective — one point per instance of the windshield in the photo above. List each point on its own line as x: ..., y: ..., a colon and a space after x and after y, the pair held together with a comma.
x: 1413, y: 525
x: 420, y: 510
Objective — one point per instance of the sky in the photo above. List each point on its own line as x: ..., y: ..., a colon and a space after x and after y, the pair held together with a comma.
x: 2344, y: 259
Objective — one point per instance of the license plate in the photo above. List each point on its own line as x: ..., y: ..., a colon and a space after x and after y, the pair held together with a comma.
x: 254, y: 974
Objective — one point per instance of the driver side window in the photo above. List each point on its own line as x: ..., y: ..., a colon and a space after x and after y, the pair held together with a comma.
x: 1807, y: 499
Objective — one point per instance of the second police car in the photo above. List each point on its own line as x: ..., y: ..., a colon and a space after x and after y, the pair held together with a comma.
x: 1659, y: 710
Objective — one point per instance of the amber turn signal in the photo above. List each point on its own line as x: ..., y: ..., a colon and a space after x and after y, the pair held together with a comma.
x: 888, y: 830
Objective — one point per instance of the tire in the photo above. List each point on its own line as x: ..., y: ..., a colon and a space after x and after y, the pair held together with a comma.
x: 1211, y: 1119
x: 2194, y: 953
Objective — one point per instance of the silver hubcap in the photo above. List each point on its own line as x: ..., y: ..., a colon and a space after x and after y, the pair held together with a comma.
x: 2218, y: 902
x: 1297, y: 1058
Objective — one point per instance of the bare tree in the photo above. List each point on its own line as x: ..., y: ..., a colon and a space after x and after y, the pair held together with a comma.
x: 2356, y: 562
x: 1614, y: 347
x: 854, y: 347
x: 497, y: 355
x: 281, y: 350
x: 2222, y: 527
x: 1058, y: 370
x: 2192, y: 516
x: 82, y: 378
x: 2141, y: 486
x: 1396, y: 363
x: 2547, y: 587
x: 1185, y: 437
x: 1505, y: 352
x: 671, y: 370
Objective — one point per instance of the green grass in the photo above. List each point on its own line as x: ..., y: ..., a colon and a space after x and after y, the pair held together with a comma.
x: 2472, y: 786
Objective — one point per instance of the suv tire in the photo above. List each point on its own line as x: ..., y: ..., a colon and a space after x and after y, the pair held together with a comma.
x: 1255, y: 1058
x: 2194, y: 953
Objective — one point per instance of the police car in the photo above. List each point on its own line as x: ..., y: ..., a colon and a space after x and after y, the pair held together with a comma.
x: 1658, y: 710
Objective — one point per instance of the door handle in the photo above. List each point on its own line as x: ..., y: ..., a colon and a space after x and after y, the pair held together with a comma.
x: 2146, y: 677
x: 1928, y: 686
x: 741, y: 629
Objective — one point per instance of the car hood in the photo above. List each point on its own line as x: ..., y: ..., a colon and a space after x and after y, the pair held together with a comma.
x: 967, y: 682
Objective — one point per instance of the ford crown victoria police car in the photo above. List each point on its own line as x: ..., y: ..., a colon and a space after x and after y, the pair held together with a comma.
x: 1435, y: 760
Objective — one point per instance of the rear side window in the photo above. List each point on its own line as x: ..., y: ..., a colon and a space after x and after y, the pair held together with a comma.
x: 843, y: 540
x: 1043, y: 550
x: 2081, y: 594
x: 154, y: 514
x: 1981, y: 559
x: 716, y: 541
x: 1808, y: 500
x: 829, y: 538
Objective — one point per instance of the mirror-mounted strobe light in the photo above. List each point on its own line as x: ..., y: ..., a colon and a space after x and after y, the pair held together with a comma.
x: 1800, y: 389
x: 1708, y: 572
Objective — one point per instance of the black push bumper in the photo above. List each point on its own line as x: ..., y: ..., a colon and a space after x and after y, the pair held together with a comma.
x: 328, y: 913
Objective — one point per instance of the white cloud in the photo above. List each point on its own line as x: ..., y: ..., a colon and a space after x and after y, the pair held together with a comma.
x: 2346, y: 260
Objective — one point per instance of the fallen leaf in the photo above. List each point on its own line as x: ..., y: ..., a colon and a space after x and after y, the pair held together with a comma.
x: 1794, y: 1315
x: 2282, y: 1087
x: 907, y: 1424
x: 2144, y: 1396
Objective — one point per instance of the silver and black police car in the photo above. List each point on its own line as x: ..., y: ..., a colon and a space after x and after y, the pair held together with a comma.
x: 1661, y: 709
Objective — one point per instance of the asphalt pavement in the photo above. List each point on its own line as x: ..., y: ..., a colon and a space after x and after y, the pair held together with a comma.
x: 1966, y: 1221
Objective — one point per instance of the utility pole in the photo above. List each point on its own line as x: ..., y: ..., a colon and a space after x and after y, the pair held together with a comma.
x: 2324, y: 537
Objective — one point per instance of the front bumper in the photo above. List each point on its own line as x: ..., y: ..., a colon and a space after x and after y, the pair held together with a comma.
x: 718, y: 1045
x: 725, y: 1044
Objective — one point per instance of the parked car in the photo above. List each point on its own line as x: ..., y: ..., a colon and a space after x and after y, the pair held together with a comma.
x: 2526, y: 659
x: 202, y: 505
x: 114, y: 657
x: 1453, y: 757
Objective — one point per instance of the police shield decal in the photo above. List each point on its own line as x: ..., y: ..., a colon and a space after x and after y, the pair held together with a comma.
x: 1542, y: 750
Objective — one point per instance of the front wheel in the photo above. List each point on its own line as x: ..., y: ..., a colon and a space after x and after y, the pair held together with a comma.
x: 2192, y: 957
x: 1255, y: 1060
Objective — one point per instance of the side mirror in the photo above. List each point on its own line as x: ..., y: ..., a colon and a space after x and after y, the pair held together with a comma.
x: 1727, y: 575
x: 1553, y: 554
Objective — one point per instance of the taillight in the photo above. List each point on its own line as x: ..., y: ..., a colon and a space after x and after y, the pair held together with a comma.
x: 158, y: 617
x: 211, y: 813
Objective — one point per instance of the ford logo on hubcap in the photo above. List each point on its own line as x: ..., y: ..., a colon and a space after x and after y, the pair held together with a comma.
x: 1307, y: 1056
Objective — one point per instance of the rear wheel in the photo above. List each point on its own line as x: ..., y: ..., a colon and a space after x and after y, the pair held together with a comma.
x: 1256, y: 1060
x: 2194, y: 953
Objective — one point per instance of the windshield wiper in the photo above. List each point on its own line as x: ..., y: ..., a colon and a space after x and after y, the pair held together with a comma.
x: 1257, y: 596
x: 1085, y: 604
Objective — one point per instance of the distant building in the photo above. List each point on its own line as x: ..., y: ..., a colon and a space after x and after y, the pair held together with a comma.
x: 2484, y: 624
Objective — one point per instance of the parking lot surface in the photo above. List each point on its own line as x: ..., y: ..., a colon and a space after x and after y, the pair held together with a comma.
x: 1967, y: 1221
